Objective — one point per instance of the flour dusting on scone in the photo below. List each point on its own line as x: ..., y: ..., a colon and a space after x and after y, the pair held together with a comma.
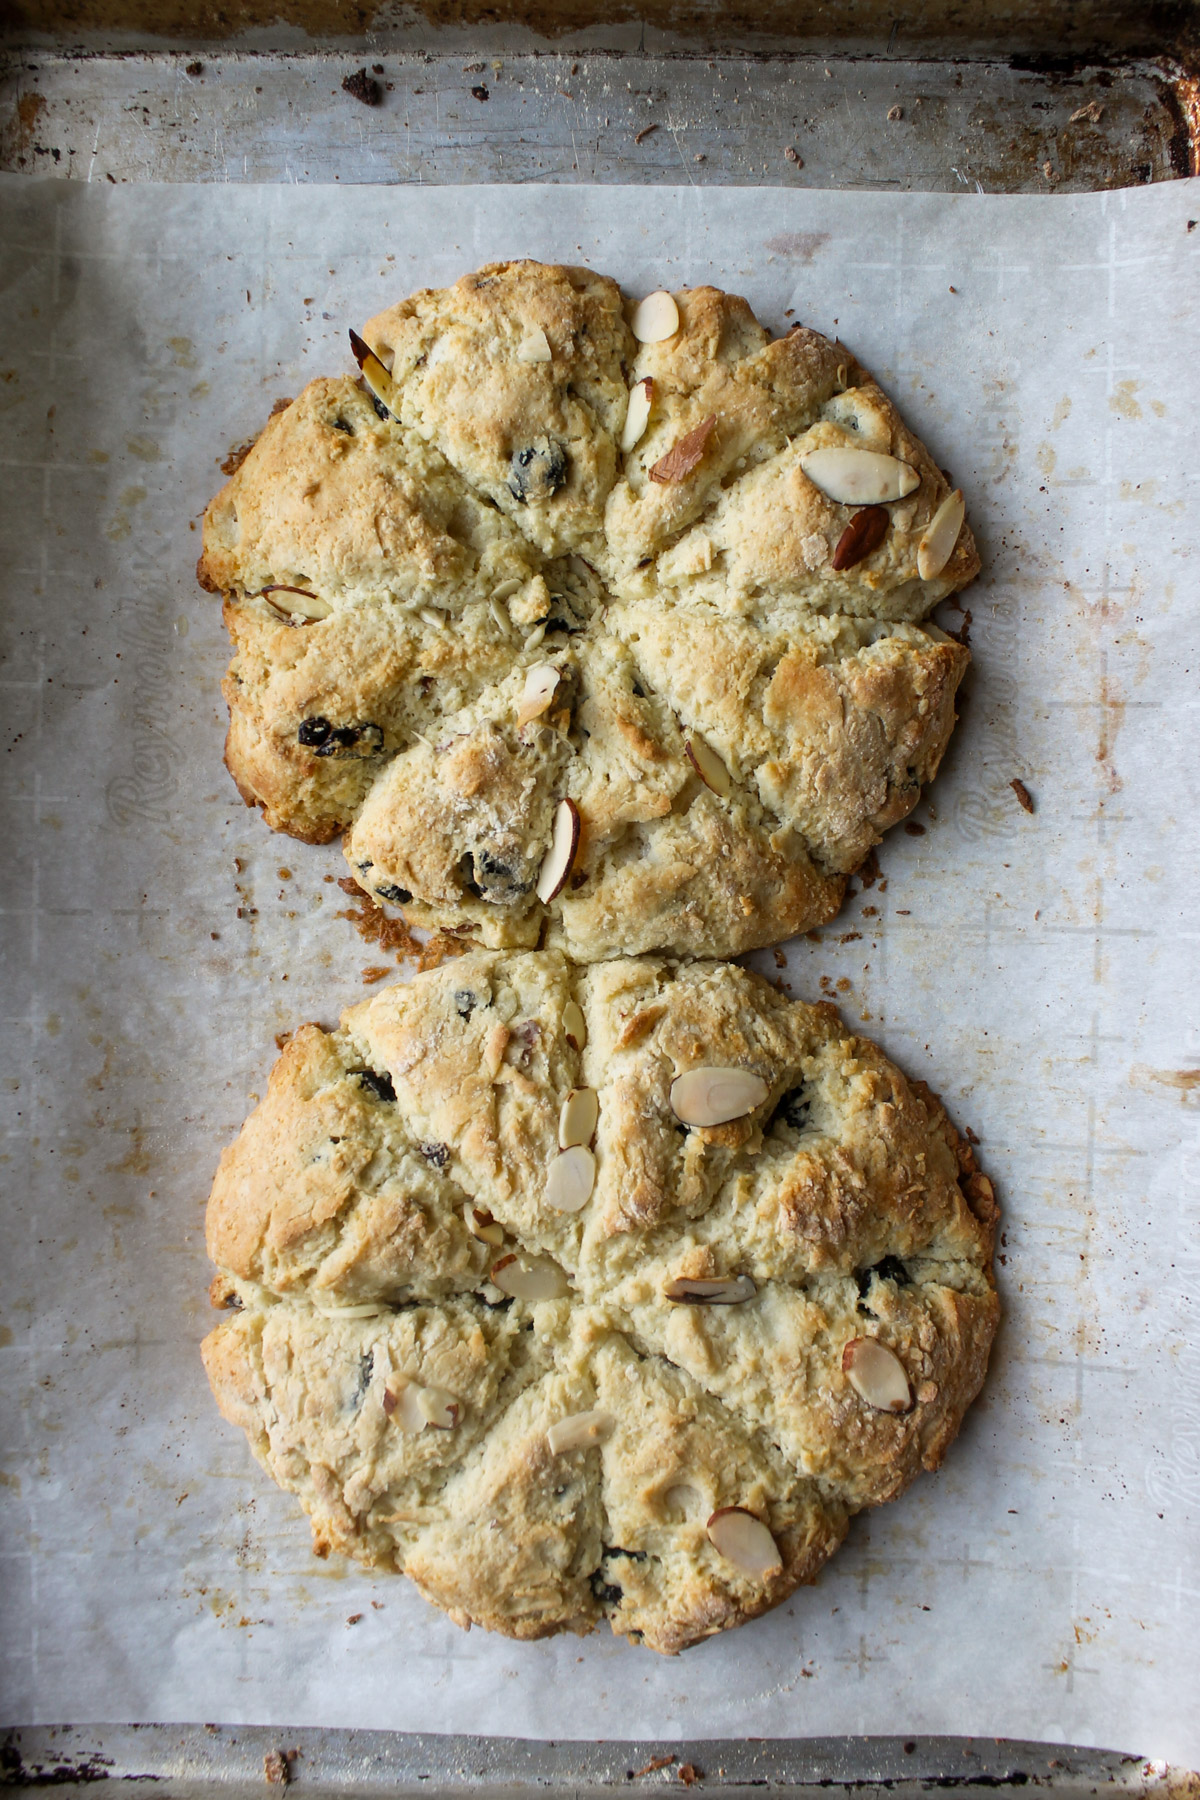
x: 601, y: 1293
x: 532, y: 556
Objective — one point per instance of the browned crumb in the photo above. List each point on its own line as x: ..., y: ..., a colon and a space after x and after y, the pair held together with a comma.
x: 849, y: 937
x: 374, y: 973
x: 913, y: 829
x: 360, y: 87
x: 230, y: 464
x: 275, y: 1768
x: 282, y: 1039
x: 640, y: 136
x: 970, y: 1136
x: 1023, y: 794
x: 689, y: 1774
x: 354, y: 1619
x: 868, y: 869
x: 843, y: 986
x: 780, y: 958
x: 374, y: 926
x: 656, y: 1762
x: 281, y: 405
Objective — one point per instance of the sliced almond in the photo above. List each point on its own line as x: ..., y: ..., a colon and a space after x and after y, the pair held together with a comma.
x: 529, y: 1278
x: 401, y: 1403
x: 743, y: 1539
x: 708, y: 765
x: 438, y: 1408
x: 686, y: 454
x: 481, y: 1224
x: 580, y: 1431
x: 369, y: 1309
x: 725, y: 1290
x: 713, y: 1096
x: 637, y: 414
x: 374, y: 373
x: 538, y: 692
x: 655, y: 318
x: 578, y: 1117
x: 564, y: 842
x: 877, y: 1375
x: 865, y: 532
x: 941, y: 534
x: 859, y: 477
x: 301, y: 605
x: 535, y: 347
x: 574, y: 1025
x: 570, y: 1179
x: 433, y: 617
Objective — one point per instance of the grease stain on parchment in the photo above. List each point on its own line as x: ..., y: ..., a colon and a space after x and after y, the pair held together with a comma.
x: 1182, y: 1082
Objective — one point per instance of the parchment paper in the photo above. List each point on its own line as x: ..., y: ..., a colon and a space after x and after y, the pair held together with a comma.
x: 1039, y: 971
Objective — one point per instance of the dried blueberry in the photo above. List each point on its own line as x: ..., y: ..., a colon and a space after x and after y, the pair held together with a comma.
x: 375, y: 1083
x: 314, y: 731
x: 341, y: 424
x: 387, y: 890
x: 488, y: 878
x: 607, y: 1592
x: 437, y: 1154
x: 464, y: 1002
x: 366, y: 1369
x: 538, y: 471
x: 888, y: 1268
x: 380, y: 408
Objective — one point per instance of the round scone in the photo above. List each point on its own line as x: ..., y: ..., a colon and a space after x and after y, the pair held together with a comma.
x: 586, y: 1293
x: 590, y: 627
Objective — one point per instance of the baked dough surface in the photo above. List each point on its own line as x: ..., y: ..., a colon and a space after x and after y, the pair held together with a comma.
x: 344, y: 1222
x: 490, y: 524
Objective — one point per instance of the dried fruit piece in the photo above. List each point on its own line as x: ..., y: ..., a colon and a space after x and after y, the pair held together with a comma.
x: 637, y: 414
x: 529, y: 1278
x: 580, y: 1431
x: 685, y: 455
x: 877, y: 1375
x: 537, y: 471
x: 578, y: 1118
x: 564, y: 842
x: 374, y: 374
x: 540, y: 683
x: 655, y: 318
x: 708, y: 765
x: 437, y: 1407
x: 724, y: 1290
x: 535, y: 348
x: 570, y: 1180
x: 714, y: 1096
x: 574, y: 1025
x: 743, y: 1539
x: 940, y: 536
x: 865, y: 532
x: 859, y: 477
x: 305, y: 606
x: 481, y: 1224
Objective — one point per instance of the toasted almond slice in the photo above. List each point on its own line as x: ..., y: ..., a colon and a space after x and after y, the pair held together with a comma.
x: 481, y: 1224
x: 859, y: 477
x: 540, y: 683
x: 374, y: 373
x: 941, y: 534
x: 637, y: 414
x: 578, y: 1118
x: 685, y: 455
x: 369, y: 1309
x: 564, y: 842
x: 438, y: 1408
x: 535, y: 347
x: 402, y: 1404
x: 500, y: 614
x: 712, y: 1096
x: 877, y: 1375
x: 570, y: 1179
x: 433, y: 617
x: 529, y: 1278
x: 302, y: 604
x: 655, y: 318
x: 725, y: 1290
x: 580, y: 1431
x: 708, y: 765
x: 743, y: 1539
x: 574, y: 1025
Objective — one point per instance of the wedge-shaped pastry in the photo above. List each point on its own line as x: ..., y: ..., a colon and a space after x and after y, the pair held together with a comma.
x: 655, y: 1395
x: 671, y: 571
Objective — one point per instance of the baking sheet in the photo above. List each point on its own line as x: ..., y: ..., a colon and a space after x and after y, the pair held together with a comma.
x: 1038, y: 970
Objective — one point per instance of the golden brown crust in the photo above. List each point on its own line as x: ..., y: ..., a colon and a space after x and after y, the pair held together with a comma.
x: 361, y: 1216
x: 491, y: 525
